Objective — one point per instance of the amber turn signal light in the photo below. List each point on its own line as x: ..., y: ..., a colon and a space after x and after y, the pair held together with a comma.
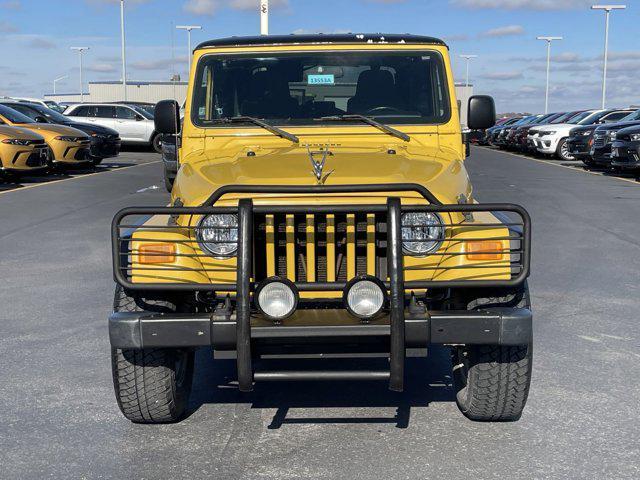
x: 157, y: 253
x: 484, y: 250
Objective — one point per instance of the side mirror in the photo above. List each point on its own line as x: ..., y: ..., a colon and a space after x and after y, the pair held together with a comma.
x: 40, y: 119
x: 139, y: 118
x: 167, y: 117
x: 481, y: 113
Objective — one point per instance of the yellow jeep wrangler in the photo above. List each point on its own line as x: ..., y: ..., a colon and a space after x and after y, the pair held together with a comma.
x: 321, y: 208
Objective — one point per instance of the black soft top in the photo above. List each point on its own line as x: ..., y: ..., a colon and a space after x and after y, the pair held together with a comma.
x: 320, y: 38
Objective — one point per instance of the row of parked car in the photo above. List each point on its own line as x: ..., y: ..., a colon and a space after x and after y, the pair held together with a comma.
x: 35, y: 138
x: 599, y: 138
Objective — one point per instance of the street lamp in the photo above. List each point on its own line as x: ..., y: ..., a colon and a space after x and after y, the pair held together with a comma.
x: 468, y: 58
x: 56, y: 80
x: 188, y: 28
x: 80, y: 51
x: 546, y: 95
x: 124, y: 61
x: 607, y: 10
x: 264, y: 17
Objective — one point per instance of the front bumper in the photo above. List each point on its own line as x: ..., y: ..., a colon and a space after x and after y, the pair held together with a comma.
x: 579, y: 147
x: 625, y: 155
x: 601, y: 155
x: 495, y: 326
x: 71, y: 153
x: 546, y: 144
x: 235, y: 325
x: 105, y: 147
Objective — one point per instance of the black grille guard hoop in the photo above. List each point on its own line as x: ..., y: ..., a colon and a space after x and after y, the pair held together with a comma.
x: 119, y: 241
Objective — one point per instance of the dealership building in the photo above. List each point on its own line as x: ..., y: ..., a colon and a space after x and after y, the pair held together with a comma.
x: 151, y: 92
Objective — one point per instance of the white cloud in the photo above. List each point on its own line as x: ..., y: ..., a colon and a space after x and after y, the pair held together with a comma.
x: 159, y: 64
x: 210, y: 7
x: 41, y: 43
x: 6, y: 27
x: 11, y: 5
x: 502, y: 75
x: 102, y: 68
x: 504, y: 31
x: 523, y: 4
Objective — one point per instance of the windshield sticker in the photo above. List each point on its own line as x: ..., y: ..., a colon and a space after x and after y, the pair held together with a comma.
x: 321, y: 80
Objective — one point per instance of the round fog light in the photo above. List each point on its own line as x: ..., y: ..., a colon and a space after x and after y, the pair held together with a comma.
x: 364, y: 296
x: 276, y: 298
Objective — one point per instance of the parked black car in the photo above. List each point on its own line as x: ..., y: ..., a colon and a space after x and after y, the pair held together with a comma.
x: 493, y: 132
x: 625, y: 150
x: 105, y: 142
x: 580, y: 139
x: 605, y: 135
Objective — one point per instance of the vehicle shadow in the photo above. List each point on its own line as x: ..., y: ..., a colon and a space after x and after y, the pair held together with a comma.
x: 427, y: 380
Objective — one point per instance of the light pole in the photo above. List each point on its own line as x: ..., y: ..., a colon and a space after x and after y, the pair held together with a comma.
x: 124, y: 61
x: 607, y: 10
x: 468, y: 58
x: 188, y: 28
x: 264, y: 17
x: 546, y: 94
x: 56, y: 80
x: 80, y: 51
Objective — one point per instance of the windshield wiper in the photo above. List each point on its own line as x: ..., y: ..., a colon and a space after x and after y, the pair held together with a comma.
x: 256, y: 121
x: 368, y: 121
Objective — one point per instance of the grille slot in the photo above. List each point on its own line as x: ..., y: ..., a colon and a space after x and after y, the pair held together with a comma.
x: 355, y: 244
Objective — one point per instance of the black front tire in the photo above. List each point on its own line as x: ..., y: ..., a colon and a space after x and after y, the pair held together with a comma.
x: 156, y: 143
x: 492, y: 381
x: 152, y: 385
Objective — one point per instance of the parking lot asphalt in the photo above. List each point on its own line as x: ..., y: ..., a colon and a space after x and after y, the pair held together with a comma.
x: 59, y: 418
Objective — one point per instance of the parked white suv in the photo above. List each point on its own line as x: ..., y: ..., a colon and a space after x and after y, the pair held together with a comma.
x: 135, y: 125
x: 551, y: 139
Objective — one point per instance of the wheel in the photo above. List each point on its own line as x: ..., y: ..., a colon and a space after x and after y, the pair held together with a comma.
x: 492, y: 381
x: 563, y: 151
x: 168, y: 182
x: 156, y: 143
x: 152, y: 385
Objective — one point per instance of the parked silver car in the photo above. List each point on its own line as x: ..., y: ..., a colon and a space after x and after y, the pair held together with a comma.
x: 134, y: 124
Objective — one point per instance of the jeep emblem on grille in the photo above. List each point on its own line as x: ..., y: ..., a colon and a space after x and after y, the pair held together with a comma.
x: 318, y: 166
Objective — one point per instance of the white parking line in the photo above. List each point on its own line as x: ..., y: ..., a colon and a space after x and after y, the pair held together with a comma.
x: 549, y: 162
x: 44, y: 184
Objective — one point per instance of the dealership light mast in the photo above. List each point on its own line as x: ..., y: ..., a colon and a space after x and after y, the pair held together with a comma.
x: 607, y: 10
x: 264, y: 17
x: 80, y: 51
x: 124, y: 61
x: 546, y: 94
x: 56, y: 80
x: 468, y: 58
x: 188, y: 28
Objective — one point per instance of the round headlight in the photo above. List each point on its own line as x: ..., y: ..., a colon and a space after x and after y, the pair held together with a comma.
x: 276, y: 298
x: 218, y: 234
x: 422, y: 232
x: 364, y: 297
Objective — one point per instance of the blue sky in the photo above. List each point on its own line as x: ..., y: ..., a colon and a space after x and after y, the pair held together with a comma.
x: 37, y: 35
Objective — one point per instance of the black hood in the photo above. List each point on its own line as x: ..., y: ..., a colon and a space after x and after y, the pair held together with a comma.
x: 629, y: 130
x: 612, y: 127
x: 91, y: 128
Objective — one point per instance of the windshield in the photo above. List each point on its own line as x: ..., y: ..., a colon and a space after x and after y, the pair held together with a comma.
x: 403, y: 87
x: 13, y: 116
x: 631, y: 117
x: 142, y: 111
x: 579, y: 117
x: 593, y: 117
x: 49, y: 113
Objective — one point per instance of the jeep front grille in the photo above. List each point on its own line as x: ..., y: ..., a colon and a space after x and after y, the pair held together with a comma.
x: 320, y: 247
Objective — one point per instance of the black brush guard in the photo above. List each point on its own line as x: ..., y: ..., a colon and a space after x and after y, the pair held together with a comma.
x: 231, y: 329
